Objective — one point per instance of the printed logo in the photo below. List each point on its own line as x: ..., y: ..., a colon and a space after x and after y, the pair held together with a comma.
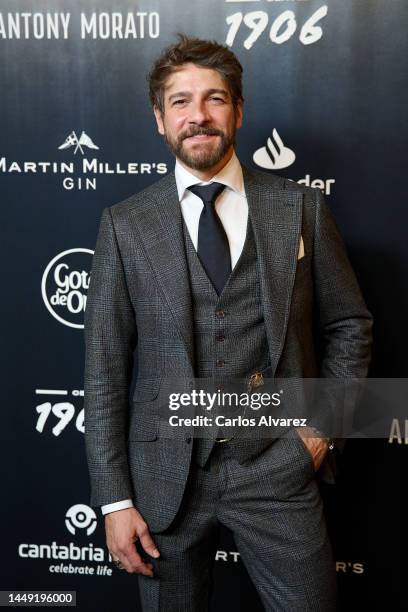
x: 227, y: 556
x: 53, y: 415
x: 349, y: 567
x: 398, y: 431
x: 72, y: 557
x: 275, y: 155
x: 78, y: 143
x: 80, y: 516
x: 82, y: 172
x: 64, y: 285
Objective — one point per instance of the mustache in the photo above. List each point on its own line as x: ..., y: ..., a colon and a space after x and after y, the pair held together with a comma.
x: 201, y: 131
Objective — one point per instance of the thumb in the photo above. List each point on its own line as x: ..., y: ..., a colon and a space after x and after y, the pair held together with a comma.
x: 147, y: 543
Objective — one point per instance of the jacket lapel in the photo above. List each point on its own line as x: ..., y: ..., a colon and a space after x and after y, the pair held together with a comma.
x: 276, y: 216
x: 161, y: 230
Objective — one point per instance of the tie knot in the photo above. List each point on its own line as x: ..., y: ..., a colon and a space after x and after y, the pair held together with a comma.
x: 207, y: 193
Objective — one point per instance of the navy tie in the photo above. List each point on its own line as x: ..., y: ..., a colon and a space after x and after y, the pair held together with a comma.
x: 213, y: 248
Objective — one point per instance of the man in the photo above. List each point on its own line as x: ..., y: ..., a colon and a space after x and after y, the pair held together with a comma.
x: 214, y: 272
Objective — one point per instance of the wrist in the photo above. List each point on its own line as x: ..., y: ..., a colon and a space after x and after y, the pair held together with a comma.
x: 318, y: 434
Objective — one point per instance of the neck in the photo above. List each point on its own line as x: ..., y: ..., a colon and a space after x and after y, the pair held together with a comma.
x: 206, y: 175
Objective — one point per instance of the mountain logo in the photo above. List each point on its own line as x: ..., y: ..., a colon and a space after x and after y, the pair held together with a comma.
x: 73, y: 141
x: 275, y: 155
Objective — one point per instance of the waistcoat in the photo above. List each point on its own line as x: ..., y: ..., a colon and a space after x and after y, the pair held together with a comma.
x: 230, y: 339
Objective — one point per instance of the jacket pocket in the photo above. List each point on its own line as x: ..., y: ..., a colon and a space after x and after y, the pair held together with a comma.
x: 146, y: 389
x: 303, y: 450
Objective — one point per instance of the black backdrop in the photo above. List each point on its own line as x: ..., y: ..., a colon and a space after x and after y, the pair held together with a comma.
x: 324, y: 81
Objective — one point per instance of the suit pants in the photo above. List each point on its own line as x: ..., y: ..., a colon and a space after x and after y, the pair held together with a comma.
x: 273, y: 507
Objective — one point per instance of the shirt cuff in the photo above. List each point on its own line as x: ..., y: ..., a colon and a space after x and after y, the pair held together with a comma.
x: 120, y: 505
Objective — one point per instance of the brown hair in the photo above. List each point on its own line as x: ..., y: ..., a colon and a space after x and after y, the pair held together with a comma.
x: 205, y: 53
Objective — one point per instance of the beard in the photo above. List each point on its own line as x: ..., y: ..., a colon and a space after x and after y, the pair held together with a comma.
x: 204, y: 156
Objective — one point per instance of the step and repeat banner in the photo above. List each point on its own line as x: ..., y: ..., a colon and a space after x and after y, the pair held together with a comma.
x: 325, y: 105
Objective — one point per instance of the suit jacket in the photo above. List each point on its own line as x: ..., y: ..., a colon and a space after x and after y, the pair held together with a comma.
x: 139, y: 305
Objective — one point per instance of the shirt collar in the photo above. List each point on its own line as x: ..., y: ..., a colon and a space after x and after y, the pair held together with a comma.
x: 230, y: 175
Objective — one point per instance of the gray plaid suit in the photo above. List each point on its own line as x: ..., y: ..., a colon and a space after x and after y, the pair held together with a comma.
x: 139, y: 300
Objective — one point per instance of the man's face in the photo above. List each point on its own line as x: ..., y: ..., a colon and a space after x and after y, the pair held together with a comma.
x: 199, y: 119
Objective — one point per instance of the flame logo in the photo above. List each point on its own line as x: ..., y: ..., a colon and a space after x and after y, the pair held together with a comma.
x: 275, y: 155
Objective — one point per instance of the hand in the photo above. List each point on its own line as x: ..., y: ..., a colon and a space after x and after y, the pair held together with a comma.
x: 317, y: 447
x: 123, y: 528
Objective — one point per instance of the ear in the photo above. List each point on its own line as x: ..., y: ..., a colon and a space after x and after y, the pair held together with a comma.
x: 239, y: 113
x: 159, y: 119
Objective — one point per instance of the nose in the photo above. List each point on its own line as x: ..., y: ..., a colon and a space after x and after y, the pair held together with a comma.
x: 199, y: 113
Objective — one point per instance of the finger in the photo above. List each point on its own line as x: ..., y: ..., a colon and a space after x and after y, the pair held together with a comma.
x: 136, y: 562
x: 148, y: 544
x: 132, y: 563
x: 125, y: 563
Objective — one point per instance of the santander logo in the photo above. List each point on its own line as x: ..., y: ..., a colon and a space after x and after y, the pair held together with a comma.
x: 274, y: 155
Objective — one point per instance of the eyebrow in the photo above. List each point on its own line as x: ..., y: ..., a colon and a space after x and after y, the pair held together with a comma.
x: 187, y: 94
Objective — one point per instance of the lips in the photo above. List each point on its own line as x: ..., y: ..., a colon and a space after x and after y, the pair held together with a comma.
x: 200, y: 137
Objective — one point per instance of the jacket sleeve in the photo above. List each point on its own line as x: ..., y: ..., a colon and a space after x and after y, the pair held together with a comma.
x: 344, y: 319
x: 345, y: 326
x: 110, y: 339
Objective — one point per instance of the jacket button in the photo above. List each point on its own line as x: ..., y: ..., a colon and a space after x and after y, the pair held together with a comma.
x: 220, y: 337
x: 188, y: 439
x: 220, y: 314
x: 220, y: 363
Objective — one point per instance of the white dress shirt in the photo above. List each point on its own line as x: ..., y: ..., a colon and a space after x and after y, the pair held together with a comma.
x: 231, y: 205
x: 232, y: 208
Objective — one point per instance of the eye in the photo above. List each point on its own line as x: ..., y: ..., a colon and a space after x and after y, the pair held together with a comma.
x: 179, y: 102
x: 216, y: 99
